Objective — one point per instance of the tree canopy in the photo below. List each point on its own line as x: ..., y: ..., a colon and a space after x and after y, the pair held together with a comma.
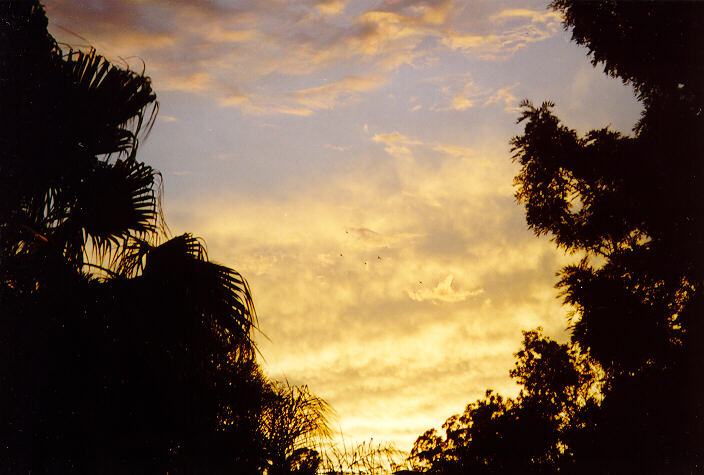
x: 522, y: 435
x: 631, y: 207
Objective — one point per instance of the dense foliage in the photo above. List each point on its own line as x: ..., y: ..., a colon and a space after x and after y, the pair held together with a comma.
x: 527, y: 434
x: 632, y: 207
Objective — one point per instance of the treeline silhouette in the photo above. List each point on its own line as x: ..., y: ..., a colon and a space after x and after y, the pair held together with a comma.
x: 625, y: 395
x: 124, y: 349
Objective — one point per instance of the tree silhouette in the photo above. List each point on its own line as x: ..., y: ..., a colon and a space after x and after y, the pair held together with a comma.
x: 632, y: 205
x: 626, y: 397
x: 123, y: 349
x: 522, y: 435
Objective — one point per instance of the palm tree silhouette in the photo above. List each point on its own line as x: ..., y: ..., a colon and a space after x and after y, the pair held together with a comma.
x: 123, y: 346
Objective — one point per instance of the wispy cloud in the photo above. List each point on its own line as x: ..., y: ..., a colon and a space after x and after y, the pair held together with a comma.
x: 443, y: 292
x: 535, y: 16
x: 192, y: 82
x: 212, y: 48
x: 262, y: 105
x: 468, y: 96
x: 329, y: 95
x: 463, y: 93
x: 512, y: 33
x: 395, y: 143
x: 505, y: 97
x: 338, y: 148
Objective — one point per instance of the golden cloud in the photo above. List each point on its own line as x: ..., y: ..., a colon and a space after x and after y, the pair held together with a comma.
x: 195, y: 82
x: 496, y: 46
x: 330, y: 7
x: 222, y: 35
x: 534, y: 16
x: 505, y: 97
x: 395, y: 144
x: 369, y: 292
x: 467, y: 97
x: 262, y: 105
x: 443, y: 292
x: 464, y: 93
x: 333, y: 93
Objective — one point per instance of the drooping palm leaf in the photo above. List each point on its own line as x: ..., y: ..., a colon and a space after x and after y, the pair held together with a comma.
x: 218, y: 295
x: 108, y: 104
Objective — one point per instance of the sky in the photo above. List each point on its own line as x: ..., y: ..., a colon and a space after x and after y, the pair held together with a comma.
x: 351, y: 159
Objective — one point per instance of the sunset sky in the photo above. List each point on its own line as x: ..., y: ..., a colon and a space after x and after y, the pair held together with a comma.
x: 351, y: 159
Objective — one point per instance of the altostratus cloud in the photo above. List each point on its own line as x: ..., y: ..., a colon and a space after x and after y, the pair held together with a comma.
x: 294, y: 57
x: 395, y: 290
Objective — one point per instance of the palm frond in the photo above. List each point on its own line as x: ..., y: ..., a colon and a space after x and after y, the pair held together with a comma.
x: 293, y: 420
x: 76, y: 113
x: 129, y: 260
x: 115, y: 203
x: 218, y: 294
x: 108, y: 104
